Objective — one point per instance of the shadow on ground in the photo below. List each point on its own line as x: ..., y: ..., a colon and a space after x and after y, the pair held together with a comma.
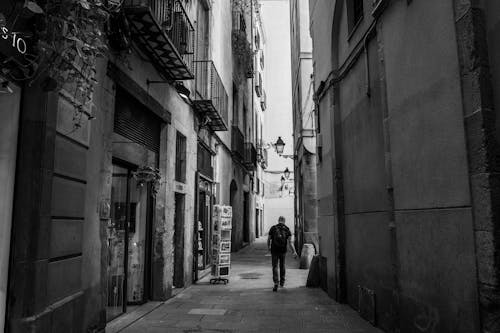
x: 247, y: 303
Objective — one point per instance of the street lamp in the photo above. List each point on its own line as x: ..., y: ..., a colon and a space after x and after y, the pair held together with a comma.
x: 279, y: 145
x: 287, y: 173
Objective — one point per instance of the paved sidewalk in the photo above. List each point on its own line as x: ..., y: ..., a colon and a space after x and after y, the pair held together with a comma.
x: 247, y: 304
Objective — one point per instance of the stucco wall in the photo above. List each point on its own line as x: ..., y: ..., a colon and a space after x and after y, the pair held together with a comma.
x: 409, y: 137
x: 99, y: 188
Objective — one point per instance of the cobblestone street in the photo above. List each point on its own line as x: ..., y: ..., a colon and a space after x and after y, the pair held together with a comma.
x: 247, y: 303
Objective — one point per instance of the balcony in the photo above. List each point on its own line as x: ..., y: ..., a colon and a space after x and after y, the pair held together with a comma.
x: 211, y: 97
x: 250, y: 158
x: 237, y: 142
x: 164, y: 31
x: 263, y: 158
x: 258, y: 86
x: 263, y: 100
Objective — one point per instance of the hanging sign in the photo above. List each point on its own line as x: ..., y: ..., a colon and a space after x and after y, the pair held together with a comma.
x: 16, y: 41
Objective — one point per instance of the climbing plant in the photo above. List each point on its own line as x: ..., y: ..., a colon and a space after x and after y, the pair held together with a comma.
x: 242, y: 52
x: 70, y: 42
x: 67, y: 38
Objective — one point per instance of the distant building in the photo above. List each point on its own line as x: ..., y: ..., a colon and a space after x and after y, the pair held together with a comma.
x: 278, y: 118
x: 246, y: 192
x: 407, y: 146
x: 304, y: 133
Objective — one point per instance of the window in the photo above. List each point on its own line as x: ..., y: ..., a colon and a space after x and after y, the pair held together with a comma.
x: 318, y: 119
x: 236, y: 102
x: 246, y: 129
x: 243, y: 25
x: 257, y: 40
x: 180, y: 158
x: 354, y: 13
x: 203, y: 32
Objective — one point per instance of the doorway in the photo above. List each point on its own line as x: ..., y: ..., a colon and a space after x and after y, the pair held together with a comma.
x: 246, y: 217
x: 257, y: 224
x: 179, y: 241
x: 204, y: 224
x: 233, y: 190
x: 129, y: 242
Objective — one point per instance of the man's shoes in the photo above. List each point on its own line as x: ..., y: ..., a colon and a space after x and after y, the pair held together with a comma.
x: 282, y: 284
x: 275, y: 289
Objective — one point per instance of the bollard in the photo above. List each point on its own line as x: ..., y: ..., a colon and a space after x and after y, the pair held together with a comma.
x: 306, y: 256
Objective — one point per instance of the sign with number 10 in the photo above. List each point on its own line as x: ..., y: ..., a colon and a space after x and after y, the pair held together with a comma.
x: 17, y: 42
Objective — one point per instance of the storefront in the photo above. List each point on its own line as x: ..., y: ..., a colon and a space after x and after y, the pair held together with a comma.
x: 136, y: 142
x: 204, y: 203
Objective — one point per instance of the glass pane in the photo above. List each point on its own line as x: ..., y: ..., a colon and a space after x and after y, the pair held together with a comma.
x: 116, y: 243
x: 137, y: 241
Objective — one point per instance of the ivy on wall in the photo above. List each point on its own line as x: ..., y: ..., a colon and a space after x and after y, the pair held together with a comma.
x: 66, y: 39
x: 71, y: 41
x: 242, y: 49
x: 242, y: 52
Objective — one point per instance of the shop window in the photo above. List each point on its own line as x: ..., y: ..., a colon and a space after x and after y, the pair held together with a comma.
x: 180, y: 158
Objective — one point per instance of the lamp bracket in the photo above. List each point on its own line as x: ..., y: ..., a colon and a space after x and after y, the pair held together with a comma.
x: 292, y: 157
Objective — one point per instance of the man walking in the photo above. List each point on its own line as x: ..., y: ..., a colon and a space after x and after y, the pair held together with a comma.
x: 278, y: 242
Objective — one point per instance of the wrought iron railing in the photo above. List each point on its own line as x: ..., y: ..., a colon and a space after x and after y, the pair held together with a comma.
x: 263, y: 157
x: 258, y: 85
x: 209, y: 87
x: 237, y: 142
x: 263, y: 100
x: 250, y: 158
x: 175, y: 22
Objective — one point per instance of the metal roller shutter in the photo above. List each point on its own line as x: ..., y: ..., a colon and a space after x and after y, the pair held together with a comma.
x: 135, y: 122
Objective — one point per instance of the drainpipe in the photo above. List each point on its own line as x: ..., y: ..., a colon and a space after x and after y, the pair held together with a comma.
x: 367, y: 38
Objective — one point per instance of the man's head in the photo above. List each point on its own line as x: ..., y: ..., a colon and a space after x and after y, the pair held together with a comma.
x: 281, y: 220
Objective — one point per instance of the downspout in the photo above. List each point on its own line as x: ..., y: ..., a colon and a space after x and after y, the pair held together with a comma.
x: 366, y: 39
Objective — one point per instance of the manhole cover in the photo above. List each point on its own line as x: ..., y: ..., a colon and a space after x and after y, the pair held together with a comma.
x: 250, y: 276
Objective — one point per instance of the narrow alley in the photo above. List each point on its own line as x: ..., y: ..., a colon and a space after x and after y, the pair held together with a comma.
x: 247, y: 303
x: 149, y: 147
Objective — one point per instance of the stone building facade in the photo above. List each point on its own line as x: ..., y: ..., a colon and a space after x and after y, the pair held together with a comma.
x: 109, y: 206
x: 306, y: 227
x: 407, y: 165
